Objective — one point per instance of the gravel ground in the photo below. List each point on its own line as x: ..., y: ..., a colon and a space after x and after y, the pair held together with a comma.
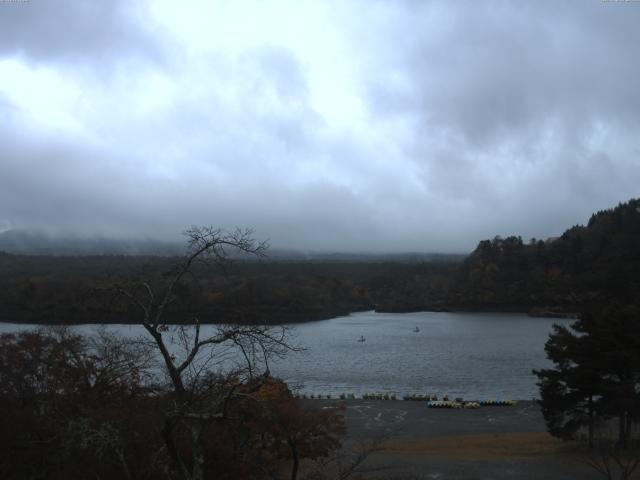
x: 487, y: 443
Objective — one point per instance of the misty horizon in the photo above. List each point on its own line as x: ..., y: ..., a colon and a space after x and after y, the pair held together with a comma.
x: 26, y: 240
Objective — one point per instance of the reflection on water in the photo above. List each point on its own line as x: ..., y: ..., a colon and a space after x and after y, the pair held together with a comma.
x: 473, y: 355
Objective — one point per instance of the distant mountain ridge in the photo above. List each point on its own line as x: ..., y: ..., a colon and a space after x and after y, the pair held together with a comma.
x: 33, y: 243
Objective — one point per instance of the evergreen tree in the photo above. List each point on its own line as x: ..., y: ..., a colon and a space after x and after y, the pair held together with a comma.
x: 571, y: 392
x: 618, y: 337
x: 596, y: 374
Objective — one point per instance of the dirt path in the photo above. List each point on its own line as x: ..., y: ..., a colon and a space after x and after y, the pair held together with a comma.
x: 490, y: 443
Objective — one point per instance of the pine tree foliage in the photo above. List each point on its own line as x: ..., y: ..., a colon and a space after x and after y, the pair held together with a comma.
x: 596, y: 374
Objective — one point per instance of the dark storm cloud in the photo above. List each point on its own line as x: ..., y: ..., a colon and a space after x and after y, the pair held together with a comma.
x: 517, y: 105
x: 55, y: 30
x: 496, y: 68
x: 88, y: 194
x: 422, y: 126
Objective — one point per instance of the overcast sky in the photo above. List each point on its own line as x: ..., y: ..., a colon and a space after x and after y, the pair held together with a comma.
x: 329, y: 125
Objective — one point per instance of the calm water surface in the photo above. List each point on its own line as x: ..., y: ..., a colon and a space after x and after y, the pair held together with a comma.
x: 473, y: 355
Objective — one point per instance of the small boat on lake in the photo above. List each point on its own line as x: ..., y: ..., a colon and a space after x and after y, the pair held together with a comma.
x: 362, y: 339
x: 416, y: 330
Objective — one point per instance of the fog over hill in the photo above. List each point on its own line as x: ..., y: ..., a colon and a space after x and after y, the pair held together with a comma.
x: 37, y: 243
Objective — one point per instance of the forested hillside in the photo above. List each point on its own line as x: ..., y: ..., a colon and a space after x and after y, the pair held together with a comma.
x: 50, y: 289
x: 590, y: 264
x: 587, y: 264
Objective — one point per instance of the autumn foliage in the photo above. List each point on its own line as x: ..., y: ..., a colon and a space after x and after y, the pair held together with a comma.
x: 77, y: 407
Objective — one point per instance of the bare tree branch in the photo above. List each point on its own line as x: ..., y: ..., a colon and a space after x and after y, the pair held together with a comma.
x: 199, y: 397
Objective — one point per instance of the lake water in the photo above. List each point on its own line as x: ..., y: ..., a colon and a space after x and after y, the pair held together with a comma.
x: 472, y: 355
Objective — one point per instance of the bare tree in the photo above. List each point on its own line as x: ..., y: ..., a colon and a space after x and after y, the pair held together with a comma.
x: 613, y: 462
x: 198, y: 396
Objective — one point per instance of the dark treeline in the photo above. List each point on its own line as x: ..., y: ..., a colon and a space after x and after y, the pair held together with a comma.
x: 57, y: 289
x: 586, y: 265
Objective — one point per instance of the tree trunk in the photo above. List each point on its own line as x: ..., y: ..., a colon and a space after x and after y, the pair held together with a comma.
x: 591, y: 421
x: 123, y: 462
x: 622, y: 430
x: 197, y: 427
x: 167, y: 435
x: 296, y: 460
x: 174, y: 374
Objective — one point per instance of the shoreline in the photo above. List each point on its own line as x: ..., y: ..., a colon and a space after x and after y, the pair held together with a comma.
x: 501, y: 443
x: 297, y: 319
x: 531, y: 311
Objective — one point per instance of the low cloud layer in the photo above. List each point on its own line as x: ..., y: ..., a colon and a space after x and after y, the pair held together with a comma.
x: 361, y: 126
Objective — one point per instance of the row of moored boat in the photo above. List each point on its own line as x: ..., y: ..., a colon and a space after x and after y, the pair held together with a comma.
x: 432, y: 400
